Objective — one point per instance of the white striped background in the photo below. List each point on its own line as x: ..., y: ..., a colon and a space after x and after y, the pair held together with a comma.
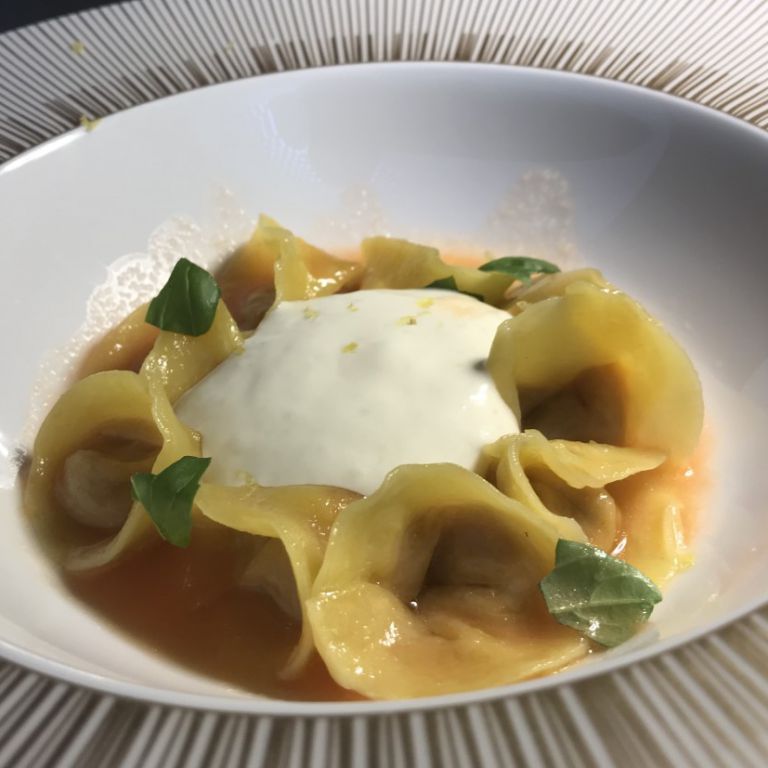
x: 705, y: 704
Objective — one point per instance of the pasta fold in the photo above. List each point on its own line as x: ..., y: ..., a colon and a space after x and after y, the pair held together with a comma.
x: 565, y: 482
x: 177, y: 362
x: 122, y: 406
x: 275, y: 265
x: 138, y: 530
x: 299, y: 519
x: 588, y: 363
x: 86, y: 416
x: 549, y: 286
x: 429, y: 586
x: 392, y: 263
x: 654, y: 526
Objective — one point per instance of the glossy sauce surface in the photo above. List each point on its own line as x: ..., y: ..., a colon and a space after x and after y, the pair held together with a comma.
x: 188, y: 606
x: 185, y: 605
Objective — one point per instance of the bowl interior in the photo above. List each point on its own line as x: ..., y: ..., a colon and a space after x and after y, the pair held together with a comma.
x: 668, y: 198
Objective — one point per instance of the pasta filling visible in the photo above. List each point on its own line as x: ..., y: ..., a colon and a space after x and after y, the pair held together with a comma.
x: 383, y: 478
x: 451, y: 568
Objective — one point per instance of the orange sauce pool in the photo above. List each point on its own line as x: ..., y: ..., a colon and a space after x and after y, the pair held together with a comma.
x: 182, y: 603
x: 185, y: 604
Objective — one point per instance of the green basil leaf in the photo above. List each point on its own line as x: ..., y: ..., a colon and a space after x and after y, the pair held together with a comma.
x: 600, y: 596
x: 449, y: 284
x: 168, y: 497
x: 520, y: 267
x: 187, y: 302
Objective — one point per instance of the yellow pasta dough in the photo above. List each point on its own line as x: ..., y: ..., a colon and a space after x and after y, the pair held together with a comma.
x: 440, y: 538
x: 591, y: 364
x: 430, y: 584
x: 565, y: 481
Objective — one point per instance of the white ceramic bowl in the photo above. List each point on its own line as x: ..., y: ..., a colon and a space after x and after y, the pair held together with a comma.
x: 668, y: 198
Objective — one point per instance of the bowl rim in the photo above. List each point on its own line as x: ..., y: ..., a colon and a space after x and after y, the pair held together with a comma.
x: 243, y: 703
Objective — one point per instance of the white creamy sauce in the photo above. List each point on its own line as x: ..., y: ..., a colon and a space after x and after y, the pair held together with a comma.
x: 342, y: 389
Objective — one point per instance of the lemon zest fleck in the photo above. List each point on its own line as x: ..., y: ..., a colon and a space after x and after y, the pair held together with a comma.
x: 351, y: 347
x: 88, y: 124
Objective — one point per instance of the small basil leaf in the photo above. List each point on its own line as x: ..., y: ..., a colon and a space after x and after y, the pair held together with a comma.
x: 187, y: 302
x: 449, y: 284
x: 520, y: 267
x: 600, y: 596
x: 168, y: 497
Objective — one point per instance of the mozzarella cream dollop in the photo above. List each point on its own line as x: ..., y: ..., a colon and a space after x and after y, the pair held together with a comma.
x: 342, y: 389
